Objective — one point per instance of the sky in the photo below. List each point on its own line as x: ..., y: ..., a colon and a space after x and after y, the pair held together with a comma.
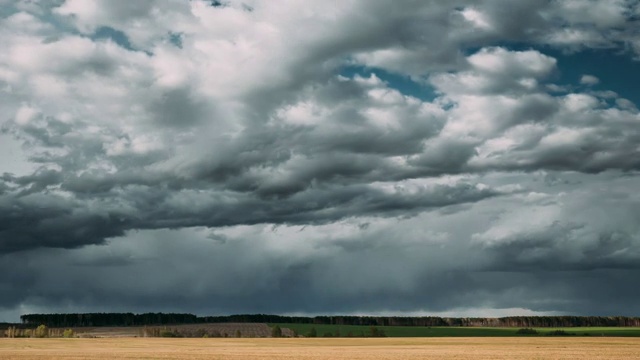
x: 454, y: 158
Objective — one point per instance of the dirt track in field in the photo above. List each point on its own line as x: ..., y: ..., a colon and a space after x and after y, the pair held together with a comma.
x: 300, y: 348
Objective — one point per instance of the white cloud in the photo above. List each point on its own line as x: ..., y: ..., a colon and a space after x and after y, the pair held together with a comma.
x: 497, y: 70
x: 626, y: 104
x: 603, y: 14
x: 477, y: 18
x: 589, y: 80
x: 513, y: 63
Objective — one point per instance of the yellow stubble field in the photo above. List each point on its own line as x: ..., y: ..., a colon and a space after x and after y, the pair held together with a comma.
x: 343, y: 348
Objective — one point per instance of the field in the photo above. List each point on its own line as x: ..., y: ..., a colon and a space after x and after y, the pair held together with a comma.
x: 418, y: 331
x: 222, y: 330
x: 304, y: 348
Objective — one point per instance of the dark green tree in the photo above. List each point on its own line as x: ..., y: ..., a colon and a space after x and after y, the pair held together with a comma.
x: 276, y: 332
x: 312, y: 332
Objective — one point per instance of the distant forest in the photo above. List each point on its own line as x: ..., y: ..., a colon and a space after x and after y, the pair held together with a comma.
x: 148, y: 319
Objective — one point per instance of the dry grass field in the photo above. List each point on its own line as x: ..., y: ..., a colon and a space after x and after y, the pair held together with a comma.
x: 301, y: 348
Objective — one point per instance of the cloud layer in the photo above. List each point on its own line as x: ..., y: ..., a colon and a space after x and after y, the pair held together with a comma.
x: 226, y: 143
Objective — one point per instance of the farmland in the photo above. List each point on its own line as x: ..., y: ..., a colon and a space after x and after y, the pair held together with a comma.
x: 305, y: 348
x: 419, y: 331
x: 257, y: 330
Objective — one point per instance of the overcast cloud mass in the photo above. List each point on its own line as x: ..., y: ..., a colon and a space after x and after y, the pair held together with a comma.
x: 320, y: 157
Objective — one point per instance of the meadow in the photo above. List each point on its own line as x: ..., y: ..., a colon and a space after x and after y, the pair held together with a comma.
x: 322, y: 348
x: 419, y: 331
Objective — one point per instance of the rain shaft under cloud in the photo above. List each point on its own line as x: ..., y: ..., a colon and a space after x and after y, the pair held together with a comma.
x: 261, y: 157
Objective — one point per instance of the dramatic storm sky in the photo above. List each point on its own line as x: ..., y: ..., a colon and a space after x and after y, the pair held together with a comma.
x: 320, y: 157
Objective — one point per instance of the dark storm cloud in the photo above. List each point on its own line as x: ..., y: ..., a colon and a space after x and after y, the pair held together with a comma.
x: 557, y: 247
x: 241, y: 270
x: 32, y: 220
x: 229, y: 277
x: 240, y: 165
x: 593, y: 229
x: 178, y: 108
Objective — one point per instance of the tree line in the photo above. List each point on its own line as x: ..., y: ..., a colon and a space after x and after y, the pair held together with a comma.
x: 41, y: 331
x: 149, y: 319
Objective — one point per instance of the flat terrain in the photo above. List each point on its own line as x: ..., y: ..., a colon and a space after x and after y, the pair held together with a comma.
x: 302, y: 348
x: 449, y: 331
x: 222, y: 329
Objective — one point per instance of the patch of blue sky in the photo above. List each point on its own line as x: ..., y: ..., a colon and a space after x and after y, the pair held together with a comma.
x: 7, y: 10
x: 117, y: 36
x: 120, y: 38
x: 103, y: 32
x: 176, y: 39
x: 402, y: 83
x: 46, y: 15
x: 615, y: 68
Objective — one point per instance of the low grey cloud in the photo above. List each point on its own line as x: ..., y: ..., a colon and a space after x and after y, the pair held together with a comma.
x: 278, y: 151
